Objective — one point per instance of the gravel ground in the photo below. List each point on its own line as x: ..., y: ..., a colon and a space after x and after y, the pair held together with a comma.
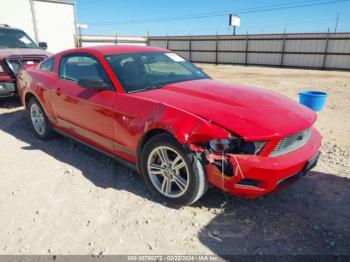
x: 59, y: 197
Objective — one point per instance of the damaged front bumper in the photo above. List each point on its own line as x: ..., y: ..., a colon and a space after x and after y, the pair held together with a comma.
x: 252, y: 176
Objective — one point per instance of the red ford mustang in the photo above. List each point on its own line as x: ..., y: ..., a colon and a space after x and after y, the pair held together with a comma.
x: 163, y: 116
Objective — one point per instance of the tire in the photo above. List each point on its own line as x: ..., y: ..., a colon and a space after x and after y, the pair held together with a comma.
x: 39, y: 121
x: 180, y: 182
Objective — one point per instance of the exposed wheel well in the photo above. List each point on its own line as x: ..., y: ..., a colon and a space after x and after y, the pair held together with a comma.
x: 148, y: 136
x: 27, y: 98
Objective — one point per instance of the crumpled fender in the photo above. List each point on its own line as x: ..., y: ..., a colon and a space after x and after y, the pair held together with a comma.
x: 186, y: 127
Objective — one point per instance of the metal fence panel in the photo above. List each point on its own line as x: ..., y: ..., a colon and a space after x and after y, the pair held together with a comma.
x: 179, y: 45
x: 158, y: 43
x: 265, y: 45
x: 337, y: 61
x: 203, y: 45
x: 231, y: 58
x: 339, y: 46
x: 203, y: 57
x: 306, y: 45
x: 229, y: 45
x: 263, y: 59
x: 304, y: 50
x: 298, y: 60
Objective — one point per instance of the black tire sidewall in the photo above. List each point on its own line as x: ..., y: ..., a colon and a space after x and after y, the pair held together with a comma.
x: 191, y: 194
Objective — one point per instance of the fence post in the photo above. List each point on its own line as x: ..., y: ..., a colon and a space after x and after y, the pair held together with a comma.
x: 167, y: 42
x: 190, y: 48
x: 246, y: 49
x: 325, y: 51
x: 216, y: 49
x: 147, y: 39
x: 283, y: 48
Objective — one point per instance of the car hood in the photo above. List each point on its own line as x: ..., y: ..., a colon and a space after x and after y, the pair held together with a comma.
x: 253, y: 113
x: 5, y: 52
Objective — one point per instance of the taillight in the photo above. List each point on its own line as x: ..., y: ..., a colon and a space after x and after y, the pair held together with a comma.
x: 4, y: 73
x: 3, y: 69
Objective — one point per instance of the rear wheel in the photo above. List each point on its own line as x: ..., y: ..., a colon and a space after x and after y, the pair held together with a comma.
x: 40, y: 123
x: 175, y: 174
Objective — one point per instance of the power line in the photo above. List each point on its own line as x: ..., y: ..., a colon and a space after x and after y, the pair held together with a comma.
x: 204, y: 15
x: 90, y: 2
x: 291, y: 5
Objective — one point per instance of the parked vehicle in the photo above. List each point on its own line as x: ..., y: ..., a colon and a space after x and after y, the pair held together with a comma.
x: 16, y: 49
x: 166, y: 118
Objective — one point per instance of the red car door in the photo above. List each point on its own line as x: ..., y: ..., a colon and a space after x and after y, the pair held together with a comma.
x: 87, y: 112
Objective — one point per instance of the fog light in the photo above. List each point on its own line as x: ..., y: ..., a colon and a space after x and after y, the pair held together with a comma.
x: 249, y: 182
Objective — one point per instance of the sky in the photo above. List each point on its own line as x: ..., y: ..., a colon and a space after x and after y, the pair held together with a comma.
x: 206, y: 17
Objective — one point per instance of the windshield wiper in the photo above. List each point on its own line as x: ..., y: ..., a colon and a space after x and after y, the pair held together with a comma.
x: 152, y: 87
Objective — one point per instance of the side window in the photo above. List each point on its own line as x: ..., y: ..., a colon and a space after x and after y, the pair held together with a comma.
x: 47, y: 65
x: 77, y: 67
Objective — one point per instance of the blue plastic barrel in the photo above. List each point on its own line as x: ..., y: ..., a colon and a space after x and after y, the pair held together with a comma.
x: 313, y: 99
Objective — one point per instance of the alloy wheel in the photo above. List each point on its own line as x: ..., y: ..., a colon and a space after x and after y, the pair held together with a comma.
x: 168, y: 171
x: 37, y: 118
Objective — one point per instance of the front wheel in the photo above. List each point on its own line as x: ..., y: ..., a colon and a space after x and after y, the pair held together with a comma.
x: 172, y: 172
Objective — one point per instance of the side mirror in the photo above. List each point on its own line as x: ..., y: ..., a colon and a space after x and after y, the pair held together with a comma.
x: 98, y: 84
x: 42, y: 45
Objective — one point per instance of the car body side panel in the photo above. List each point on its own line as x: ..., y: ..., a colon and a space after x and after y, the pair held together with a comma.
x: 85, y: 111
x: 37, y: 83
x: 134, y: 117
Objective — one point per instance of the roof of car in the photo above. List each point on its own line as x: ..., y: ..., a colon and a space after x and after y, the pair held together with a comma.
x: 119, y: 49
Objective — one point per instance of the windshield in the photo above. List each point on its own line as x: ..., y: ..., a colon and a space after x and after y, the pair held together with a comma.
x: 144, y: 71
x: 12, y: 38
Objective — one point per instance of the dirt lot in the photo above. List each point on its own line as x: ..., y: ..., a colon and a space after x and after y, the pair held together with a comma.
x: 59, y: 197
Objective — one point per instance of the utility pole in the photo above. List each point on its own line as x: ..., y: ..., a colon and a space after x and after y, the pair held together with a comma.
x: 116, y: 36
x: 80, y: 28
x: 336, y: 24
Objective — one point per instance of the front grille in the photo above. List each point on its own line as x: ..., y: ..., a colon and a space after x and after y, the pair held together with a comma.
x: 16, y: 62
x: 291, y: 143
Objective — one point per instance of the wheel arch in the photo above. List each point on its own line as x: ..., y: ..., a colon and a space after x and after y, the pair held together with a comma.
x: 27, y: 97
x: 146, y: 137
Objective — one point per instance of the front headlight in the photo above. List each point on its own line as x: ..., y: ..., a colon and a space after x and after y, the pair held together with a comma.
x: 236, y: 145
x: 220, y: 145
